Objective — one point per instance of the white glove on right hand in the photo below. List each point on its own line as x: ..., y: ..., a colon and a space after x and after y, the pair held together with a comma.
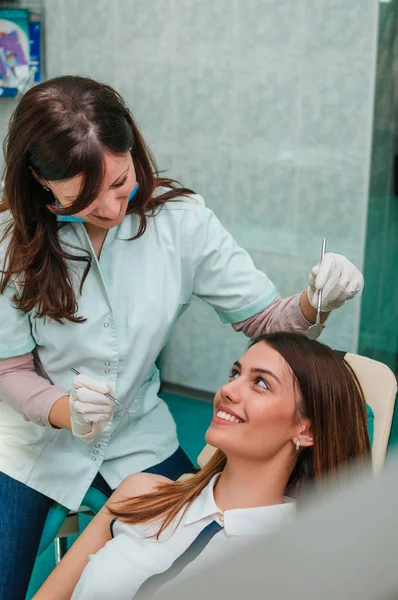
x: 90, y: 409
x: 338, y: 279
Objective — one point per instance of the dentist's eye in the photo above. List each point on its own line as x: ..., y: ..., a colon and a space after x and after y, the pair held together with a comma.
x: 120, y: 183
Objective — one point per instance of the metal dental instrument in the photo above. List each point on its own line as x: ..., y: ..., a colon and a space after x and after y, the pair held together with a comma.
x: 107, y: 395
x: 315, y: 330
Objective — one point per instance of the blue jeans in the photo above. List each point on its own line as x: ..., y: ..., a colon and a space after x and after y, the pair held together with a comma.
x: 23, y: 513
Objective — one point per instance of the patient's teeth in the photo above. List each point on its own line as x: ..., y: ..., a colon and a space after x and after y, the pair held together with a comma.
x: 227, y: 417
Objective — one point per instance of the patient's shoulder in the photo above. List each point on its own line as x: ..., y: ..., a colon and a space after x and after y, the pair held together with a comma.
x: 139, y: 484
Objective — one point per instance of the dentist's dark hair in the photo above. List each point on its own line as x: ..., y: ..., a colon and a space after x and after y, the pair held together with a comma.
x: 329, y: 394
x: 62, y: 128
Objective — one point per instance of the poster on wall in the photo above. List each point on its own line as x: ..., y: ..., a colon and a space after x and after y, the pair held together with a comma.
x: 20, y: 64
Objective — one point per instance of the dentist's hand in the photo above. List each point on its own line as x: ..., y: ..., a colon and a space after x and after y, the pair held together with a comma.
x: 90, y: 409
x: 338, y: 279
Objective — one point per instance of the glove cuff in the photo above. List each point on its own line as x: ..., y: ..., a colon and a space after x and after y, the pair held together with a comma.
x: 311, y: 293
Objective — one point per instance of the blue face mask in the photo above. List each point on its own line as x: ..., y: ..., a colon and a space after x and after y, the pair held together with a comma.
x: 73, y: 219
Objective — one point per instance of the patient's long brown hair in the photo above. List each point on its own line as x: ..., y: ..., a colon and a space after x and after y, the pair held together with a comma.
x: 330, y: 396
x: 62, y: 128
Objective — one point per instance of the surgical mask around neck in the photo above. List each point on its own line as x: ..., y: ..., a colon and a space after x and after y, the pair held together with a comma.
x: 73, y: 219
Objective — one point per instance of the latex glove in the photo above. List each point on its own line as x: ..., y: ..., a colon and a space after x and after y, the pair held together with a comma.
x: 338, y: 279
x: 90, y: 409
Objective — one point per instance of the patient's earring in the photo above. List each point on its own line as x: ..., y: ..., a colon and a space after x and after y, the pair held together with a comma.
x: 298, y: 445
x: 46, y: 188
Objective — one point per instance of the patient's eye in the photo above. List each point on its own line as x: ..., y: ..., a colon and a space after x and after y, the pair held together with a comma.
x: 234, y: 373
x: 262, y: 383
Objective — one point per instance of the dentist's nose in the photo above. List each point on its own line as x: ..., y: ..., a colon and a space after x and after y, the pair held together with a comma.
x: 109, y: 208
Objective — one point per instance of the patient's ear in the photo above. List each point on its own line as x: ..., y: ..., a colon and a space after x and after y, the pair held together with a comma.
x: 305, y: 435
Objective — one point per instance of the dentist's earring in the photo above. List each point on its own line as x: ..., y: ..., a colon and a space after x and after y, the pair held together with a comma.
x: 46, y: 188
x: 298, y: 445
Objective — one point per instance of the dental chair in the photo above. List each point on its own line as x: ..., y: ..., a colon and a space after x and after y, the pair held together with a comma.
x: 379, y: 385
x: 380, y: 388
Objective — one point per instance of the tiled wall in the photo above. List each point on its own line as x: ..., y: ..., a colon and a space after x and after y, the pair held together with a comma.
x: 262, y: 106
x: 7, y: 106
x: 379, y: 317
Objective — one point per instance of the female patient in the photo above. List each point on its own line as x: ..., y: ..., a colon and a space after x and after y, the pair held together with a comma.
x: 291, y: 413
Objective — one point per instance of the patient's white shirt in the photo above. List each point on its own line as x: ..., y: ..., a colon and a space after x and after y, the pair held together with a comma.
x: 119, y: 569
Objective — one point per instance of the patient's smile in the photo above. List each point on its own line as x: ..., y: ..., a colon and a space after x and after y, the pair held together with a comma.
x: 227, y: 416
